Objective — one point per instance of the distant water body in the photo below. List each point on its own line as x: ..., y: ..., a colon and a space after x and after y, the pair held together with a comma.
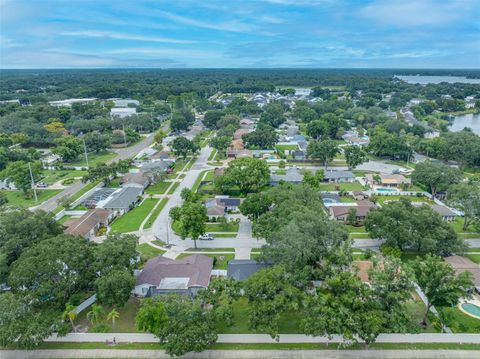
x: 471, y: 120
x: 424, y: 80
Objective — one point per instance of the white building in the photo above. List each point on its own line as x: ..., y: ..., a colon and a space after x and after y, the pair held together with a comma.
x: 71, y: 101
x: 123, y: 112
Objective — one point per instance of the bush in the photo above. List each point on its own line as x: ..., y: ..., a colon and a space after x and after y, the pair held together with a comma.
x: 68, y: 181
x: 100, y: 328
x: 389, y: 251
x: 76, y: 299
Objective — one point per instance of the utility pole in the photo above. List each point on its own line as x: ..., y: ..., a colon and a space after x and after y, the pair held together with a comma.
x: 33, y: 182
x: 86, y: 154
x: 124, y: 135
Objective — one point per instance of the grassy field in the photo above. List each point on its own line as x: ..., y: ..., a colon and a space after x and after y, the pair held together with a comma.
x: 458, y: 226
x: 353, y: 186
x: 155, y: 213
x: 212, y: 155
x: 53, y: 176
x: 93, y: 159
x: 132, y: 220
x: 221, y: 227
x: 18, y: 198
x: 158, y: 188
x: 147, y: 251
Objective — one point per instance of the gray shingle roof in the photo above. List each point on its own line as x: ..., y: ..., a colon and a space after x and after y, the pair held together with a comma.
x: 241, y: 269
x: 124, y: 198
x: 338, y: 174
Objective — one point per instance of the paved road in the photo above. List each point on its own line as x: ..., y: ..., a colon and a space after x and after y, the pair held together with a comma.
x: 124, y: 153
x: 243, y: 354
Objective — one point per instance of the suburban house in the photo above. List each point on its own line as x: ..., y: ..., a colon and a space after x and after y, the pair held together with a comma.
x: 123, y: 200
x: 162, y: 275
x: 220, y: 205
x: 446, y: 213
x: 463, y: 264
x: 292, y: 175
x: 299, y: 155
x: 247, y: 123
x: 237, y: 145
x: 338, y: 176
x: 239, y: 153
x: 387, y: 180
x: 98, y: 195
x: 137, y: 179
x: 340, y: 212
x: 88, y: 224
x: 239, y: 133
x: 241, y: 269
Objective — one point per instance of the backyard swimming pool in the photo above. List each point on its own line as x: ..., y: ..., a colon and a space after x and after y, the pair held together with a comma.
x: 472, y: 309
x: 386, y: 190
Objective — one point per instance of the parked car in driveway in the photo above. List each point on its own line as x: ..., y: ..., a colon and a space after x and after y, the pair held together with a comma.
x: 206, y: 237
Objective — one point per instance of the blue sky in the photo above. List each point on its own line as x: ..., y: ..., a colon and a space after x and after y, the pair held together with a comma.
x: 260, y: 33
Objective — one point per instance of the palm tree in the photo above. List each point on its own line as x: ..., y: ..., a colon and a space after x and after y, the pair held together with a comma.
x: 112, y: 316
x: 95, y: 315
x: 70, y: 314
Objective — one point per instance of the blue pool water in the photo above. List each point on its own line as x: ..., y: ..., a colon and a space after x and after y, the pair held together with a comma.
x: 329, y: 200
x: 471, y: 308
x: 389, y: 190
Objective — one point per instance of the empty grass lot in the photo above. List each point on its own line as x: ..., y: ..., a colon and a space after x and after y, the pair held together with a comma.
x: 132, y: 220
x: 158, y: 188
x: 155, y: 213
x: 51, y: 177
x: 93, y: 159
x: 18, y: 197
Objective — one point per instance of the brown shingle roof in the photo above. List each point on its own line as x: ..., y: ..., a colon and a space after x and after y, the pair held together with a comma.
x: 196, y: 267
x: 463, y: 264
x: 363, y: 207
x: 83, y: 225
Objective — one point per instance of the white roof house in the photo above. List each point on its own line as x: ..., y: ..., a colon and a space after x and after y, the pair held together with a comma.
x: 123, y: 112
x: 71, y: 101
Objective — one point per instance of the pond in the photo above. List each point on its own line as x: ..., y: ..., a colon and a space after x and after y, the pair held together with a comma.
x: 423, y: 80
x: 471, y: 120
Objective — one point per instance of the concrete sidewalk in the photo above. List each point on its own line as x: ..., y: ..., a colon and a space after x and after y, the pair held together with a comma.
x: 460, y: 338
x: 242, y: 354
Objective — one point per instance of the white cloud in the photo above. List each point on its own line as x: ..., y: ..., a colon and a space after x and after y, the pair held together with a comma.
x: 122, y: 36
x: 415, y: 13
x: 231, y: 26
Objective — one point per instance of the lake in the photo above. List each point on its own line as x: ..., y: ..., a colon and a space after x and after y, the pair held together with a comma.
x: 423, y: 80
x: 471, y: 120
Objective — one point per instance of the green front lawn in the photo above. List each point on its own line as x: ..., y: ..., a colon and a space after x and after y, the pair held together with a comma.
x: 221, y: 227
x: 93, y: 159
x: 173, y: 188
x: 458, y: 226
x: 474, y: 257
x: 347, y: 186
x: 158, y: 188
x: 155, y: 213
x: 351, y: 229
x: 18, y: 197
x: 382, y: 199
x: 220, y: 262
x: 147, y: 251
x: 132, y: 220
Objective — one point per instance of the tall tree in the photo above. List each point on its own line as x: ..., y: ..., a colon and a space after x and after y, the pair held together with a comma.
x: 466, y: 198
x: 112, y: 316
x: 440, y: 283
x: 255, y: 205
x: 97, y: 142
x: 221, y: 144
x: 95, y: 315
x: 182, y: 324
x: 354, y: 156
x: 18, y: 172
x: 114, y: 287
x: 70, y: 314
x: 68, y: 147
x: 324, y: 150
x: 191, y: 217
x: 183, y: 147
x: 436, y: 176
x: 249, y: 174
